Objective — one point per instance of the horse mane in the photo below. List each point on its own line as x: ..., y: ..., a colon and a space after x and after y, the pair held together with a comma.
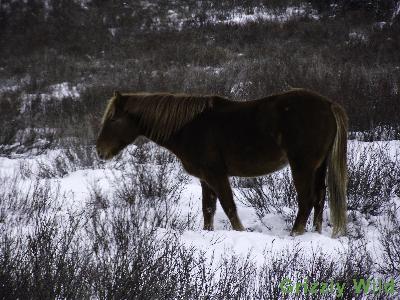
x: 162, y: 114
x: 110, y: 110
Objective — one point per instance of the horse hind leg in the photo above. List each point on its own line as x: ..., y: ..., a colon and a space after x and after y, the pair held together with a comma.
x: 222, y: 188
x: 304, y: 183
x: 320, y: 189
x: 209, y: 206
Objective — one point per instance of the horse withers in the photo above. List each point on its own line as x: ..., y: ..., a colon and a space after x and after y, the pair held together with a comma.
x: 215, y: 138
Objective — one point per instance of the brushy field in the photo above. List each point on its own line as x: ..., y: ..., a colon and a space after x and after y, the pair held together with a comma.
x: 131, y: 228
x: 74, y: 227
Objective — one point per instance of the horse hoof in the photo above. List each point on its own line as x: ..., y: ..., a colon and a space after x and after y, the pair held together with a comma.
x: 317, y: 229
x: 295, y: 233
x: 239, y: 228
x: 208, y: 228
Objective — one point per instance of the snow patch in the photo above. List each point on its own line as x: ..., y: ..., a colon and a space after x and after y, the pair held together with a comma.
x: 358, y: 36
x: 57, y: 91
x: 64, y: 90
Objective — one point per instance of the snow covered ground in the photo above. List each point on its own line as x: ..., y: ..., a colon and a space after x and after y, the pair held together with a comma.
x: 80, y: 208
x: 271, y: 235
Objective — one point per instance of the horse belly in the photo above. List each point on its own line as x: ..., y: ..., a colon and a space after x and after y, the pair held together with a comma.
x: 255, y: 162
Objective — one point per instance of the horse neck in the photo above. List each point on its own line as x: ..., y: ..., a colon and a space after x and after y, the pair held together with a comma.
x: 171, y: 143
x: 145, y: 132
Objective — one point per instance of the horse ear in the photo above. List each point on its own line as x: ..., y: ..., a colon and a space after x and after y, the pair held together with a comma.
x: 119, y: 101
x: 117, y: 94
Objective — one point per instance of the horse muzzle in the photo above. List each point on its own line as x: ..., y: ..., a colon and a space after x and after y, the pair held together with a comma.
x: 103, y: 154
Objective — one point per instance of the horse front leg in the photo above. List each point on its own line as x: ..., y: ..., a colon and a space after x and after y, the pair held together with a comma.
x: 221, y: 187
x: 209, y: 205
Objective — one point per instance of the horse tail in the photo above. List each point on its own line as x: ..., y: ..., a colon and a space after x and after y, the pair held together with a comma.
x: 337, y: 173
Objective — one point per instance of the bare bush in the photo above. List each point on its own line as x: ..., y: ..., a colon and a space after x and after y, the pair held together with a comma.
x: 373, y: 178
x: 270, y: 194
x: 22, y: 203
x: 390, y: 240
x: 68, y: 160
x: 155, y: 188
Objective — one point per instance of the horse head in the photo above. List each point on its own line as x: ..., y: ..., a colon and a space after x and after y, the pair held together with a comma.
x: 118, y: 128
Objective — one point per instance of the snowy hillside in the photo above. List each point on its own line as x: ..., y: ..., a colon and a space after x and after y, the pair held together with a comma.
x: 75, y: 227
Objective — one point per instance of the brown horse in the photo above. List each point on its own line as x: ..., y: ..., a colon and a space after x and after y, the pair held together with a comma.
x: 216, y: 138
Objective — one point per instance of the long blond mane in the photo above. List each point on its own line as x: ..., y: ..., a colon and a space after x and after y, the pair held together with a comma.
x: 110, y: 110
x: 162, y: 114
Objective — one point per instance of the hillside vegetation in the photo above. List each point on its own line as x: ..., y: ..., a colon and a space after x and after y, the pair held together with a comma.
x: 60, y: 60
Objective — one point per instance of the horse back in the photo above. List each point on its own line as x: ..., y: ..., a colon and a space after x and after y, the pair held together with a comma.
x: 258, y: 137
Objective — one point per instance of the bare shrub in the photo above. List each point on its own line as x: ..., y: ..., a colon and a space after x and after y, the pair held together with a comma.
x: 153, y: 188
x: 283, y: 269
x: 21, y: 202
x: 270, y: 194
x: 373, y: 178
x: 379, y: 133
x: 390, y: 241
x: 236, y: 278
x: 43, y: 264
x: 68, y: 160
x: 275, y: 270
x: 356, y: 264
